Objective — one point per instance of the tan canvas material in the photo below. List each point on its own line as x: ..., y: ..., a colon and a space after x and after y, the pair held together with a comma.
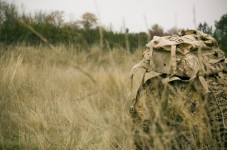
x: 190, y: 54
x: 180, y: 87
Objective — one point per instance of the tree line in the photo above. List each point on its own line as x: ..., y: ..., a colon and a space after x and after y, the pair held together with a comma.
x: 51, y: 28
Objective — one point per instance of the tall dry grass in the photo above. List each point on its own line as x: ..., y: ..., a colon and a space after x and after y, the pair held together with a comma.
x: 62, y: 98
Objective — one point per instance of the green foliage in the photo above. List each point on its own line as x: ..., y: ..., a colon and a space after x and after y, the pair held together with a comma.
x: 204, y: 27
x: 83, y: 33
x: 88, y: 20
x: 220, y: 32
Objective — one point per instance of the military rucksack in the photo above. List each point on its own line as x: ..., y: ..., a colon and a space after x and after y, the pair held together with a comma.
x: 180, y: 82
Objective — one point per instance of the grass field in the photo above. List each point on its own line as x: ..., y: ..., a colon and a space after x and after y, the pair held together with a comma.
x: 62, y: 98
x: 65, y: 98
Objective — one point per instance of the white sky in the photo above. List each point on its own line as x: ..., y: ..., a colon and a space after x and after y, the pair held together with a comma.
x: 166, y: 13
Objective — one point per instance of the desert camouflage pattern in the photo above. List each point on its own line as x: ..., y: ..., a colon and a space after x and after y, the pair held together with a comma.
x: 179, y: 90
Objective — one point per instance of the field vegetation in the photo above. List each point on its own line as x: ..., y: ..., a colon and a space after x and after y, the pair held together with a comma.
x: 62, y: 99
x: 68, y: 90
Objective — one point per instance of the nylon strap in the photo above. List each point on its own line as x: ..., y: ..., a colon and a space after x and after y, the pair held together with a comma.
x: 204, y: 84
x: 151, y: 59
x: 137, y: 80
x: 150, y: 75
x: 173, y: 60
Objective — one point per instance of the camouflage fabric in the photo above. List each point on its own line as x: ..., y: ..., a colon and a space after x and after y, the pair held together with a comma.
x: 178, y: 115
x: 180, y: 87
x: 180, y: 54
x: 189, y: 54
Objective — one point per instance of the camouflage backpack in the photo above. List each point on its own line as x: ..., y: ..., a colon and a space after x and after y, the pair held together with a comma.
x: 180, y: 86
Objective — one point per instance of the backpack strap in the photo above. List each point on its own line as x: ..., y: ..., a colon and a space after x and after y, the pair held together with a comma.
x: 173, y: 60
x: 136, y: 82
x: 204, y: 84
x: 139, y: 77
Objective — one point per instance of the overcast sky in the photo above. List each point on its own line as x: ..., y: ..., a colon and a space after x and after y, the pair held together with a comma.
x: 137, y: 15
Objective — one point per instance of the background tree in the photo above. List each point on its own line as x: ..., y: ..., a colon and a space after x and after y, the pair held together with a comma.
x: 55, y: 18
x: 172, y: 31
x: 204, y: 27
x: 8, y: 13
x: 220, y: 32
x: 89, y: 20
x: 39, y: 17
x: 156, y: 30
x: 89, y: 24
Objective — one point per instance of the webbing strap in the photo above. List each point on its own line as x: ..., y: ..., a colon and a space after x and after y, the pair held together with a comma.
x: 137, y: 80
x: 173, y: 60
x: 204, y: 84
x: 150, y: 75
x: 151, y: 59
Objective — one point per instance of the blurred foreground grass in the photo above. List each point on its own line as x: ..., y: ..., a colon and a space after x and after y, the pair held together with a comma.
x: 61, y: 98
